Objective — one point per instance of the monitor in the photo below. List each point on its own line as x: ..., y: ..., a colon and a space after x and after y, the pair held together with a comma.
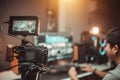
x: 59, y: 46
x: 24, y: 25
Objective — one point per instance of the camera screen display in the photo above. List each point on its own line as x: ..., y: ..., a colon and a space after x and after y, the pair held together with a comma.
x: 27, y: 26
x: 24, y: 25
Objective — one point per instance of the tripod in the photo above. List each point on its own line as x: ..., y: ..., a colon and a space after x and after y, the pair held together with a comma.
x: 31, y: 67
x: 30, y: 71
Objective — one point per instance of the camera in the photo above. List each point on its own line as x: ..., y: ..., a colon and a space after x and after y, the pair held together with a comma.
x: 34, y: 54
x: 32, y: 59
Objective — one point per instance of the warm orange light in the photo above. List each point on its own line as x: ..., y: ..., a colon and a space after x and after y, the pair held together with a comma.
x: 95, y: 30
x: 67, y: 0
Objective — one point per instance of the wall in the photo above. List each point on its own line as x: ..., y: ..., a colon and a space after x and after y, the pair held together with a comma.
x: 74, y: 17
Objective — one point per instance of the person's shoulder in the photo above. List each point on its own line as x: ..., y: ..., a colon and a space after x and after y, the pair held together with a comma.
x: 117, y: 69
x: 113, y: 74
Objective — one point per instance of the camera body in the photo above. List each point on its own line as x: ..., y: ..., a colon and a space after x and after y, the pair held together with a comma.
x: 34, y: 54
x: 26, y: 26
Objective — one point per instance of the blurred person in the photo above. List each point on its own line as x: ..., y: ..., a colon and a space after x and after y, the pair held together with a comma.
x: 112, y: 51
x: 2, y: 51
x: 1, y: 46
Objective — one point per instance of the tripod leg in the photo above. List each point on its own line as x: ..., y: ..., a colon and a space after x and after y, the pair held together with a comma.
x: 38, y: 76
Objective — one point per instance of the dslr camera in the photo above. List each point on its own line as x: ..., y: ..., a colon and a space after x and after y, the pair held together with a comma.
x: 31, y: 59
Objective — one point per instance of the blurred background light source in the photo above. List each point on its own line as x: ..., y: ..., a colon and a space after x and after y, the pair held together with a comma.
x: 95, y: 30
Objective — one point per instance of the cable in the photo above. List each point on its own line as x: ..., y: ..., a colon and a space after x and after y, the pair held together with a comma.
x: 5, y: 69
x: 1, y: 26
x: 22, y: 39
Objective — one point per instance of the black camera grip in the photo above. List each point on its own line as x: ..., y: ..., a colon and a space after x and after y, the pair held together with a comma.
x: 9, y: 54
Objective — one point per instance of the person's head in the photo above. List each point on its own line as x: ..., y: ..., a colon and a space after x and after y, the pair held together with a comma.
x: 85, y: 37
x: 113, y: 43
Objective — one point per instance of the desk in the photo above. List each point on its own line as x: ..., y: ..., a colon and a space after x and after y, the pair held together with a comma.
x: 9, y: 75
x: 99, y: 67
